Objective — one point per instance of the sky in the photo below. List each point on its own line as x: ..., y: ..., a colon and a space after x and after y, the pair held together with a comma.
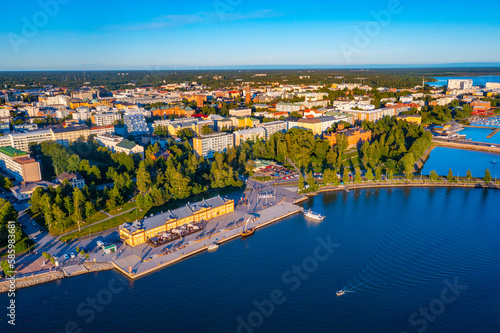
x: 156, y: 35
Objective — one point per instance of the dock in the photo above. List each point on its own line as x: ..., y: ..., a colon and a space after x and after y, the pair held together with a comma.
x: 489, y: 136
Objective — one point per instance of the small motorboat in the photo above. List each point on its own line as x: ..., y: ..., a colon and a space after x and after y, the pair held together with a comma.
x: 315, y: 216
x: 213, y: 247
x: 341, y: 292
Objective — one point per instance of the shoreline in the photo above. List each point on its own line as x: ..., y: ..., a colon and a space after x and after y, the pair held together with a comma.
x: 398, y: 185
x: 89, y: 267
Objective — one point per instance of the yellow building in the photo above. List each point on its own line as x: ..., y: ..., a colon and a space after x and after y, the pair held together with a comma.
x: 411, y: 118
x: 76, y: 104
x: 138, y: 232
x: 68, y: 134
x: 248, y: 122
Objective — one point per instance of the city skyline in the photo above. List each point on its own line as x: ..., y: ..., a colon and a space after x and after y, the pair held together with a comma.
x: 239, y: 34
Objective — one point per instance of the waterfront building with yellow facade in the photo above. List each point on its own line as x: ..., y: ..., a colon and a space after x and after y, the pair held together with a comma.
x: 138, y: 232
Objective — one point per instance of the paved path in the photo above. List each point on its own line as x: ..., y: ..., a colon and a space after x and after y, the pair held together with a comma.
x: 96, y: 223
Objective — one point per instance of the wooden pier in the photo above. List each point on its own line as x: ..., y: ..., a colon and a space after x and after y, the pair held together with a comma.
x: 489, y: 136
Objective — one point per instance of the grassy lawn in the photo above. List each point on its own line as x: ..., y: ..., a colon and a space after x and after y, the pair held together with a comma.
x: 351, y: 154
x: 95, y: 218
x: 353, y: 161
x: 91, y: 220
x: 123, y: 208
x: 263, y: 179
x: 109, y: 224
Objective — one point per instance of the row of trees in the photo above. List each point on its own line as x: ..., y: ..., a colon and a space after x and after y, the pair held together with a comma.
x: 56, y: 159
x: 184, y: 174
x: 7, y: 214
x: 63, y: 206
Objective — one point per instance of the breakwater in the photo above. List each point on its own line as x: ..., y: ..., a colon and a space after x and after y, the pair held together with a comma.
x: 39, y: 278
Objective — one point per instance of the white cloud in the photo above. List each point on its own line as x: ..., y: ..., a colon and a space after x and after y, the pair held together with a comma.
x: 166, y: 21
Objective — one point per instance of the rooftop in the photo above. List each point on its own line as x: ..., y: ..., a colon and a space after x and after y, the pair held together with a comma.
x: 10, y: 151
x: 126, y: 144
x: 179, y: 213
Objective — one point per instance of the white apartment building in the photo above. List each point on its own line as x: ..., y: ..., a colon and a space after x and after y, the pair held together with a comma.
x: 4, y: 113
x: 492, y: 85
x: 135, y: 123
x: 207, y: 145
x: 289, y: 107
x: 117, y: 144
x: 374, y: 115
x: 81, y: 114
x: 460, y: 84
x: 319, y: 103
x: 240, y: 112
x: 21, y: 141
x: 62, y: 113
x: 105, y: 119
x: 248, y: 134
x: 273, y: 127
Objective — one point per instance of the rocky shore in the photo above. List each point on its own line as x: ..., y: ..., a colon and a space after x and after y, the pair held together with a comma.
x: 29, y: 281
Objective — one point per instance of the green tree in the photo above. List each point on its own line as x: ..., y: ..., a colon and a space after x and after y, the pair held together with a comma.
x: 311, y: 181
x: 74, y: 163
x: 7, y: 183
x: 330, y: 177
x: 450, y: 175
x: 206, y: 130
x: 433, y: 176
x: 89, y: 209
x: 342, y: 142
x: 390, y: 174
x: 6, y: 268
x: 487, y: 176
x: 357, y: 176
x: 301, y: 182
x: 78, y: 206
x: 345, y: 177
x: 143, y: 178
x: 369, y: 175
x: 468, y: 175
x: 378, y: 173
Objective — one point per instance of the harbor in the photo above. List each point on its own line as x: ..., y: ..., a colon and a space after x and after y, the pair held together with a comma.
x: 265, y: 209
x: 258, y: 206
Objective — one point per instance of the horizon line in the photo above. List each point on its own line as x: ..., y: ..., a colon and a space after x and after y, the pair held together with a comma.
x: 276, y: 67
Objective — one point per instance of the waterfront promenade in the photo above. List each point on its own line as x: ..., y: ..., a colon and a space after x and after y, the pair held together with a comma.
x: 145, y: 259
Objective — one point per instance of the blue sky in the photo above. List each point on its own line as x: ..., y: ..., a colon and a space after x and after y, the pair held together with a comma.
x: 218, y: 33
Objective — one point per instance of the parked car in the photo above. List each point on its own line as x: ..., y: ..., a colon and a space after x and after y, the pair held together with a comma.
x: 72, y: 254
x: 66, y: 256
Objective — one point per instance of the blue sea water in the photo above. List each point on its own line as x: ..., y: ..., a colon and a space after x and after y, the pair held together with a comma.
x: 478, y: 80
x: 480, y: 135
x: 459, y: 161
x: 398, y: 250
